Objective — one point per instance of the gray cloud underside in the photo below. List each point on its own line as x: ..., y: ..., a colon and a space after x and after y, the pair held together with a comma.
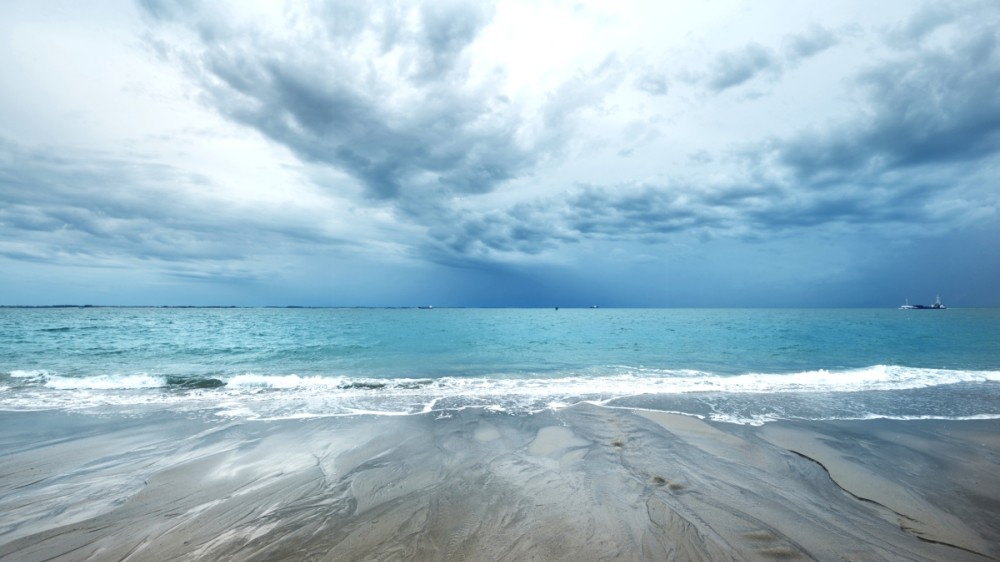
x: 814, y: 41
x: 937, y: 107
x: 101, y: 210
x: 329, y: 105
x: 930, y: 105
x: 445, y: 134
x: 736, y: 67
x: 931, y: 123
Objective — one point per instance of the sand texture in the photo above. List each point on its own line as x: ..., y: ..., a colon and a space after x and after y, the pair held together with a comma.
x: 582, y: 483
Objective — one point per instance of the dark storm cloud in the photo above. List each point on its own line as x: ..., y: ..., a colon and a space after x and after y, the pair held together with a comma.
x: 486, y: 239
x: 646, y: 214
x: 447, y: 29
x: 330, y: 108
x: 643, y: 213
x: 931, y: 107
x: 408, y: 121
x: 927, y: 19
x: 336, y: 124
x: 930, y: 123
x: 89, y: 206
x: 416, y: 131
x: 867, y: 204
x: 654, y: 214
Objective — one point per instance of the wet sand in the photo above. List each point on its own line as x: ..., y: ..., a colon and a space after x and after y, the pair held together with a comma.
x: 582, y: 483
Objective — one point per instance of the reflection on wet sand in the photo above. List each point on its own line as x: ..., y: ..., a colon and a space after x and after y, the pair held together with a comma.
x: 582, y: 483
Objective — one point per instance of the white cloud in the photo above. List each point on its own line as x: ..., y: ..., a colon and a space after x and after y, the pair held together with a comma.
x: 234, y: 140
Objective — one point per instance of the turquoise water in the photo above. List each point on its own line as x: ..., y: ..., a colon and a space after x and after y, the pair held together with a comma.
x: 745, y: 366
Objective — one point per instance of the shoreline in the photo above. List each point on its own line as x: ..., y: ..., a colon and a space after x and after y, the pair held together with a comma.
x: 582, y: 483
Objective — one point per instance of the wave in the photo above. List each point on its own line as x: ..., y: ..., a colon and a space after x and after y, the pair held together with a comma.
x: 749, y: 398
x: 611, y: 380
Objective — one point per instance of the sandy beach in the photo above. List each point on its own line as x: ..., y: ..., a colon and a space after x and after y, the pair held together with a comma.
x: 581, y: 483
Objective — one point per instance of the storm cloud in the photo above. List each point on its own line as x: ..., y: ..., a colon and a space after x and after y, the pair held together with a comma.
x: 385, y: 93
x: 901, y: 162
x: 347, y: 152
x: 91, y: 208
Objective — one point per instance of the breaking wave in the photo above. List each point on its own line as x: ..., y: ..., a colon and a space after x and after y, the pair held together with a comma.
x: 750, y: 398
x: 633, y: 380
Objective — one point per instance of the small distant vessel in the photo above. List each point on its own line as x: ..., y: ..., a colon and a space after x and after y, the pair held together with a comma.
x: 428, y: 307
x: 938, y: 305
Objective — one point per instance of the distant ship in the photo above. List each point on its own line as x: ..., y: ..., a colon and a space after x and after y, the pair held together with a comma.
x: 936, y: 306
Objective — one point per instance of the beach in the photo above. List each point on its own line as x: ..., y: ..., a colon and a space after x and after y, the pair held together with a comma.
x: 578, y: 483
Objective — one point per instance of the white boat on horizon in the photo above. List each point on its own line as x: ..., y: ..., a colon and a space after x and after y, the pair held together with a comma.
x: 938, y: 305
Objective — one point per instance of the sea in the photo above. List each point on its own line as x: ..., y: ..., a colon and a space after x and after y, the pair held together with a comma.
x: 741, y: 366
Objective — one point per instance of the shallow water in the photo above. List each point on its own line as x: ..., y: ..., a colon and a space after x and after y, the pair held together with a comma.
x: 742, y: 365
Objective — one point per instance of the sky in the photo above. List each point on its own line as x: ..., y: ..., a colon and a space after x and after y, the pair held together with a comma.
x: 515, y: 153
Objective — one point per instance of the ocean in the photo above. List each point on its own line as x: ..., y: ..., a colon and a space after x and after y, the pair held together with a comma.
x: 498, y: 434
x: 741, y: 366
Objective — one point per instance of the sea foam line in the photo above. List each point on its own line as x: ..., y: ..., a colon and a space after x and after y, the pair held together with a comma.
x: 624, y: 381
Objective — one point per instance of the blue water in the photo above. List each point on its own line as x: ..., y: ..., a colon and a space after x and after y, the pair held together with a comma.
x: 743, y: 366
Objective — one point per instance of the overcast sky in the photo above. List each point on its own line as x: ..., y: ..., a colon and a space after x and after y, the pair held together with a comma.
x: 517, y: 153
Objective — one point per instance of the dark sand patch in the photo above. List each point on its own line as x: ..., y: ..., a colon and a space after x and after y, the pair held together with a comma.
x: 486, y: 486
x: 938, y: 480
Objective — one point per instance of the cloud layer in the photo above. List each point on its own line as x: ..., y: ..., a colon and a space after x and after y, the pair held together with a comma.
x: 438, y: 136
x: 909, y: 158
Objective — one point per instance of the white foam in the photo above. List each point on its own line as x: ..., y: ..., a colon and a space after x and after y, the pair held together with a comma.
x: 762, y: 419
x: 918, y: 418
x: 105, y: 382
x: 621, y: 381
x: 251, y: 395
x: 17, y: 373
x: 237, y: 412
x: 251, y: 380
